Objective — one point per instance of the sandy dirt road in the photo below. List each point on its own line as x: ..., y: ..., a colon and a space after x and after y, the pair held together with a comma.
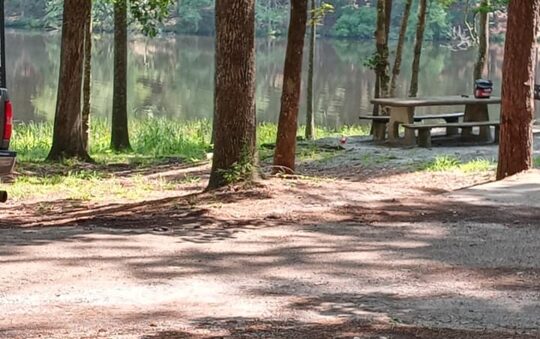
x: 357, y: 266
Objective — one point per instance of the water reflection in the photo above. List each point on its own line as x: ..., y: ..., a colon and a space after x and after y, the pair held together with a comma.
x: 173, y: 77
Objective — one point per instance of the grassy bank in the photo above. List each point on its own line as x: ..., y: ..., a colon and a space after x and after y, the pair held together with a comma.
x: 150, y: 138
x: 162, y: 146
x: 452, y: 163
x: 157, y: 144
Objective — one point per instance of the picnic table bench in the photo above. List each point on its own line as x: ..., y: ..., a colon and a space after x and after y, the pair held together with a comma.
x: 402, y: 113
x: 424, y: 130
x: 382, y: 120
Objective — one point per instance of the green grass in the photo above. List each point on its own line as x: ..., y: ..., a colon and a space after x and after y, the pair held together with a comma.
x: 154, y: 141
x: 149, y: 137
x: 266, y: 135
x: 154, y: 138
x: 266, y: 132
x: 83, y: 186
x: 537, y: 162
x: 315, y: 154
x: 451, y: 163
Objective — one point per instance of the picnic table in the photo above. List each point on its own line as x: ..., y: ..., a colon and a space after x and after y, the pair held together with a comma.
x: 401, y: 112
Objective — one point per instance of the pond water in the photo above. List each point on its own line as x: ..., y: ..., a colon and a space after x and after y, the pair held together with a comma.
x: 173, y: 76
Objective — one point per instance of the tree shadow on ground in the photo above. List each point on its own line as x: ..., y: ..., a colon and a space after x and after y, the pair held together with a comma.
x: 178, y: 217
x: 386, y: 246
x: 256, y: 328
x: 441, y: 209
x: 143, y: 166
x: 158, y: 212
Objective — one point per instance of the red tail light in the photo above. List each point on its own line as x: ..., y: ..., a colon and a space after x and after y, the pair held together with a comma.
x: 8, y: 124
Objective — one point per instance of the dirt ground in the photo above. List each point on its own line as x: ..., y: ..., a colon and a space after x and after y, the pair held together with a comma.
x: 352, y: 251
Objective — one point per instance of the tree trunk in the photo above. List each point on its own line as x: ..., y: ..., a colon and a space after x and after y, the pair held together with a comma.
x: 67, y: 135
x: 120, y: 132
x: 388, y: 19
x: 517, y: 108
x: 381, y: 63
x: 419, y: 41
x: 87, y: 82
x: 284, y: 156
x: 396, y: 70
x: 235, y: 114
x: 376, y: 94
x: 310, y: 114
x: 480, y: 68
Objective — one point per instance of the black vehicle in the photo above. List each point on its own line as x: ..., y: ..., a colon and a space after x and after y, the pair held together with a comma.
x: 7, y: 158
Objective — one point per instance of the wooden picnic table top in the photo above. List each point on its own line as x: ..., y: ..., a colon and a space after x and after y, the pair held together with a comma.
x: 434, y: 101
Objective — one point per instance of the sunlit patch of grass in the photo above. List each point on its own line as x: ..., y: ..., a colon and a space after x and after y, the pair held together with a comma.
x: 477, y: 165
x: 442, y: 163
x: 149, y: 137
x: 163, y: 137
x: 450, y: 163
x: 85, y: 186
x: 71, y: 186
x: 537, y: 162
x: 32, y: 141
x: 266, y: 133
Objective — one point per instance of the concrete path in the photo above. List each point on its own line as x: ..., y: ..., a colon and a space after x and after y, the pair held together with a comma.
x: 520, y: 190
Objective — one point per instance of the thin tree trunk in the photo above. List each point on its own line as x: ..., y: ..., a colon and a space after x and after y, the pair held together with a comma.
x: 284, y: 156
x: 396, y: 70
x: 235, y: 114
x: 517, y: 108
x: 470, y: 28
x: 120, y: 132
x: 480, y: 68
x: 388, y: 19
x: 310, y: 114
x: 419, y: 41
x: 381, y: 67
x: 87, y: 84
x: 67, y: 135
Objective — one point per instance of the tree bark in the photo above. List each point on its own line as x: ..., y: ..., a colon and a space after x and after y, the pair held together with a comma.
x: 67, y: 135
x: 235, y: 114
x: 480, y: 67
x: 388, y: 19
x: 120, y: 132
x: 419, y: 41
x: 310, y: 113
x: 396, y: 70
x: 517, y: 108
x: 87, y: 82
x: 381, y: 38
x: 284, y: 156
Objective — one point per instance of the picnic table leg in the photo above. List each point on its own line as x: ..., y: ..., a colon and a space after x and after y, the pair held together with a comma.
x: 401, y: 115
x: 477, y: 112
x: 379, y: 131
x: 450, y: 131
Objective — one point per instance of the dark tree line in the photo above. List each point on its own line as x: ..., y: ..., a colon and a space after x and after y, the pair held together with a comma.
x: 351, y: 18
